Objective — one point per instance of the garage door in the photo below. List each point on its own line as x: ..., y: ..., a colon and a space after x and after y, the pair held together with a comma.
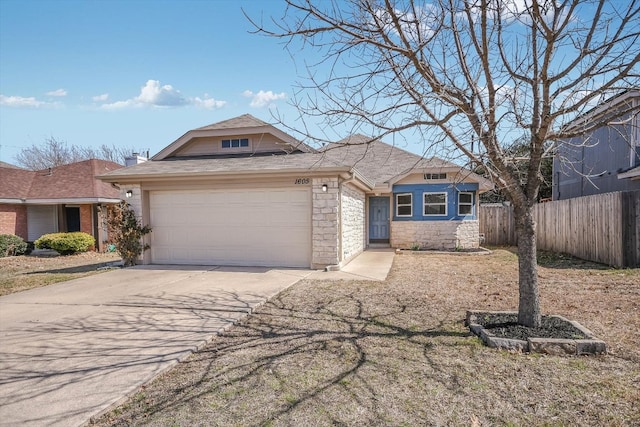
x: 41, y: 219
x: 261, y: 227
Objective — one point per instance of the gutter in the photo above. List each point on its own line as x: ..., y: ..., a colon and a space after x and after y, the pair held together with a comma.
x: 168, y: 176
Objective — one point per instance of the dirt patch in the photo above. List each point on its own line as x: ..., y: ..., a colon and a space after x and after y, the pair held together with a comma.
x: 398, y: 353
x: 20, y: 273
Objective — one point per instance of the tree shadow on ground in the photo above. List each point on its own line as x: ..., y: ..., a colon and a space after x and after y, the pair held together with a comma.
x: 300, y: 355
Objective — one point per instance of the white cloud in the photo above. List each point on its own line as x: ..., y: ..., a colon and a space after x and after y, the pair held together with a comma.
x: 208, y: 103
x: 152, y: 94
x: 263, y: 98
x: 57, y: 92
x: 21, y: 101
x: 101, y: 98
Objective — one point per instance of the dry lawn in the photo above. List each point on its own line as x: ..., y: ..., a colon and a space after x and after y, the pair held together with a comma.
x: 19, y: 273
x: 361, y: 353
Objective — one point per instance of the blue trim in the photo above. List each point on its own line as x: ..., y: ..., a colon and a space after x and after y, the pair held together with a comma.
x: 452, y: 190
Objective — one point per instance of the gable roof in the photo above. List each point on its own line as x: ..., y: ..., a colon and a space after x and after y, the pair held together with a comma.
x: 241, y: 125
x: 70, y: 183
x: 383, y: 163
x: 243, y: 121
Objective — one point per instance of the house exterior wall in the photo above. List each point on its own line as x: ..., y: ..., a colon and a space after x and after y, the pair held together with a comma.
x: 418, y: 190
x: 448, y: 231
x: 324, y: 225
x: 437, y: 235
x: 86, y: 220
x: 352, y: 202
x: 13, y: 220
x: 584, y: 168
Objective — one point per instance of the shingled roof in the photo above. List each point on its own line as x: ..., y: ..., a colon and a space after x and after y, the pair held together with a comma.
x: 67, y: 182
x: 379, y: 161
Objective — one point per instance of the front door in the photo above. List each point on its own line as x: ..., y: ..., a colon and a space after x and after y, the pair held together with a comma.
x: 378, y: 220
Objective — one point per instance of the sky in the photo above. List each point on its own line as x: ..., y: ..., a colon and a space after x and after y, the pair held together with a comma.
x: 135, y: 73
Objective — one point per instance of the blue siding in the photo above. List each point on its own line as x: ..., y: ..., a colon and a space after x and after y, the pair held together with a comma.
x: 452, y: 190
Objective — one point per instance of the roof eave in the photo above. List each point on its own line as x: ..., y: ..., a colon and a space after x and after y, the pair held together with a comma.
x: 224, y: 174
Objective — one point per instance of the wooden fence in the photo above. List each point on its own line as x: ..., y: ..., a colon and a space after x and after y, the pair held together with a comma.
x: 603, y: 228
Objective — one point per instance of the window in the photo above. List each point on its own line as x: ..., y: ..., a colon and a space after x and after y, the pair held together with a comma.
x: 465, y: 204
x: 435, y: 176
x: 435, y: 204
x: 235, y: 143
x: 404, y: 204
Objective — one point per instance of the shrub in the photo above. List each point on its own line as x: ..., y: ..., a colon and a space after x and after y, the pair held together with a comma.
x: 66, y: 243
x: 11, y: 245
x: 126, y: 232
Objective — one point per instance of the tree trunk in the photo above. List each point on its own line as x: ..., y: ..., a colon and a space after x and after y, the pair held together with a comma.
x: 529, y: 300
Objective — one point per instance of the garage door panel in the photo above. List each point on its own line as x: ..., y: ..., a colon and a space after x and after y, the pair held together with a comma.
x: 268, y: 227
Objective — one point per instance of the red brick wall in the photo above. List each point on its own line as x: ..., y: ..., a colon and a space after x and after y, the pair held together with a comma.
x: 13, y: 220
x: 86, y: 222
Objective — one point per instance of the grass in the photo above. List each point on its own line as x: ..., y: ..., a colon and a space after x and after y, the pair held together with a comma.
x: 21, y: 273
x: 397, y: 353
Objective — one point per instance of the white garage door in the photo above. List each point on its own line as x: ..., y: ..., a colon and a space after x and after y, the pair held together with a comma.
x: 261, y: 227
x: 41, y: 219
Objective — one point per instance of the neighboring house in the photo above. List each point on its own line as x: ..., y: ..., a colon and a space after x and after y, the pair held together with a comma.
x: 59, y: 199
x: 605, y: 161
x: 242, y: 192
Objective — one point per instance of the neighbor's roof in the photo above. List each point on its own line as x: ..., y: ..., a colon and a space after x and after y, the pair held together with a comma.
x: 67, y: 182
x: 8, y: 165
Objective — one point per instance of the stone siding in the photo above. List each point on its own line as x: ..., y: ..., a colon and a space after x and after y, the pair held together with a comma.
x: 13, y: 220
x: 438, y: 235
x: 352, y: 221
x: 324, y: 222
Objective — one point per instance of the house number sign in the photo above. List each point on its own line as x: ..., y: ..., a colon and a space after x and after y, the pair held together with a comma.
x: 302, y: 181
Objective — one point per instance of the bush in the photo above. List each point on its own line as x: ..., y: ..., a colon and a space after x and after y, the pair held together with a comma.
x: 66, y: 243
x: 11, y: 245
x: 127, y: 232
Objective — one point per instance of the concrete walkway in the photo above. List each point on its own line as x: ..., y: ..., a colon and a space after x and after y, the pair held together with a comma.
x: 69, y: 351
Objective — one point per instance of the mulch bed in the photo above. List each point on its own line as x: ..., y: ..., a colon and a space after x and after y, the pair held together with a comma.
x: 506, y: 325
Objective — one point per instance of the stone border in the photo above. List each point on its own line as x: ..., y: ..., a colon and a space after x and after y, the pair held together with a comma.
x: 479, y: 251
x: 553, y: 346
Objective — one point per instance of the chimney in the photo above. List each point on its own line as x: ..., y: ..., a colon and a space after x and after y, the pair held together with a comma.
x: 134, y: 159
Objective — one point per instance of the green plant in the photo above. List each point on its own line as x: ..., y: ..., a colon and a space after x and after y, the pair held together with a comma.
x: 415, y: 246
x: 126, y: 232
x: 66, y: 243
x: 11, y: 245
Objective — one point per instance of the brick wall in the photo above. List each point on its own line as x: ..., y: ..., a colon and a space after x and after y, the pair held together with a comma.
x: 324, y: 222
x: 86, y: 221
x: 13, y: 220
x: 352, y: 221
x: 438, y: 235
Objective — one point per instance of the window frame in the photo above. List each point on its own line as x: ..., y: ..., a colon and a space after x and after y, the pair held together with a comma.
x: 471, y: 204
x: 228, y: 143
x: 446, y: 203
x: 398, y: 205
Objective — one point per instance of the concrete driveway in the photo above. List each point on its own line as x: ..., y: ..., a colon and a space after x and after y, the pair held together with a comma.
x: 71, y: 350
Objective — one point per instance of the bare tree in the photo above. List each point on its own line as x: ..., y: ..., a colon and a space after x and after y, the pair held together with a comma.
x: 54, y: 152
x: 469, y: 75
